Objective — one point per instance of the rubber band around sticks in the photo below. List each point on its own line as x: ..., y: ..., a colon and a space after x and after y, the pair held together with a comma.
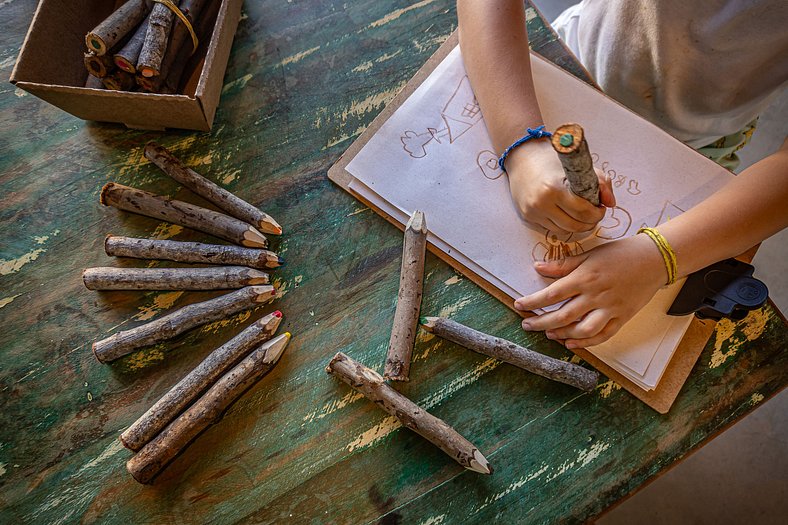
x: 537, y: 133
x: 175, y: 9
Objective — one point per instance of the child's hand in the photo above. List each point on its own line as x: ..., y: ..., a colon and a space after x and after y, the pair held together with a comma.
x: 542, y: 195
x: 605, y: 286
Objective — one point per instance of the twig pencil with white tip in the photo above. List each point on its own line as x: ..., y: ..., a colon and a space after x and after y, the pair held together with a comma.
x: 182, y: 213
x: 434, y: 430
x: 198, y: 380
x: 570, y: 144
x: 406, y: 316
x: 512, y: 353
x: 207, y: 410
x: 181, y: 320
x: 223, y: 199
x: 191, y: 252
x: 213, y: 278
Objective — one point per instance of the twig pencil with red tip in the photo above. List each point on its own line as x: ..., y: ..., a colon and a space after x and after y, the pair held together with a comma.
x: 570, y: 144
x: 155, y: 455
x: 198, y: 380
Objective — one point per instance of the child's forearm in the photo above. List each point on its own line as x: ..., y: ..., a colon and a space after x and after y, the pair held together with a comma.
x: 494, y: 47
x: 746, y: 211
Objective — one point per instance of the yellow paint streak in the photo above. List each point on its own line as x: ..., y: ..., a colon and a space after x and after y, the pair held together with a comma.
x: 299, y: 56
x: 362, y: 210
x: 42, y: 239
x: 430, y: 43
x: 232, y: 321
x: 2, y: 469
x: 161, y: 302
x: 751, y: 328
x: 452, y: 280
x: 607, y: 388
x: 396, y: 14
x: 379, y: 431
x: 364, y: 66
x: 14, y: 265
x: 756, y: 398
x: 238, y: 82
x: 166, y: 230
x: 8, y: 300
x: 452, y: 309
x: 140, y: 360
x: 230, y: 177
x: 333, y: 406
x: 370, y: 103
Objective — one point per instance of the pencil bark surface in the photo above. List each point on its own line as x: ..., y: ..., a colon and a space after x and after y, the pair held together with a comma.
x: 126, y: 58
x: 207, y: 410
x: 577, y: 163
x: 118, y: 80
x: 98, y: 65
x: 512, y: 353
x: 435, y: 430
x: 197, y: 381
x: 173, y: 70
x: 181, y: 213
x: 406, y: 316
x: 223, y: 199
x: 214, y: 278
x: 116, y: 26
x: 191, y: 252
x: 181, y: 320
x: 155, y: 44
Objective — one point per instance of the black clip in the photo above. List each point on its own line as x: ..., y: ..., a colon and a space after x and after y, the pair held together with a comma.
x: 724, y: 289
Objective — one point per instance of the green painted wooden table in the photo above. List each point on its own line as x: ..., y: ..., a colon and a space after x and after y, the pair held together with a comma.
x: 304, y: 79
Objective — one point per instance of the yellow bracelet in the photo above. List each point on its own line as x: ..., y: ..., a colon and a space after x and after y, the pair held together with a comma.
x: 668, y: 255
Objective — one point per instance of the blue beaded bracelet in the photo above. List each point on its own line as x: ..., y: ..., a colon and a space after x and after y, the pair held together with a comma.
x: 538, y: 133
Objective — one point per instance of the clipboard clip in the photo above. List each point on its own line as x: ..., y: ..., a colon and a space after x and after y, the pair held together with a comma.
x: 724, y: 289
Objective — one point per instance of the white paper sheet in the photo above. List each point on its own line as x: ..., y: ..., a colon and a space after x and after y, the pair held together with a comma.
x: 434, y: 154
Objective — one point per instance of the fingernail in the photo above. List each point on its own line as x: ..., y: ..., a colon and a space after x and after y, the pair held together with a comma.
x: 526, y: 325
x: 550, y: 335
x: 570, y: 345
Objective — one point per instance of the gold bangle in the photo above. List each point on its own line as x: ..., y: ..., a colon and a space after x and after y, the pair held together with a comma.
x: 668, y: 255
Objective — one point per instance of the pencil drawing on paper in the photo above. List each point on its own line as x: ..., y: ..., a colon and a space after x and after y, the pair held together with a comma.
x: 556, y: 247
x: 669, y: 211
x: 488, y: 163
x: 460, y: 113
x: 615, y: 224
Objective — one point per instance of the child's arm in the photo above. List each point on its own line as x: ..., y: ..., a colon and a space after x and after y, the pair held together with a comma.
x: 609, y: 284
x: 495, y: 51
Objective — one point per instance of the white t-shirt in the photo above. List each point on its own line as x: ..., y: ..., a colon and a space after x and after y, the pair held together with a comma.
x: 699, y: 70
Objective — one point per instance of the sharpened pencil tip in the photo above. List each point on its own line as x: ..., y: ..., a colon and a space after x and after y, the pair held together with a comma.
x: 275, y: 348
x: 428, y: 323
x: 278, y: 314
x: 480, y: 464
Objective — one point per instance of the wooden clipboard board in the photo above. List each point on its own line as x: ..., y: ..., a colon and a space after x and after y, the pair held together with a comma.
x: 685, y: 356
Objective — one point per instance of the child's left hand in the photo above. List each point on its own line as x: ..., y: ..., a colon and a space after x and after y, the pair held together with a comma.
x: 605, y: 286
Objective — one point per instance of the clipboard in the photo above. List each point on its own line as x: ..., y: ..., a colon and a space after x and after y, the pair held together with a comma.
x: 686, y: 354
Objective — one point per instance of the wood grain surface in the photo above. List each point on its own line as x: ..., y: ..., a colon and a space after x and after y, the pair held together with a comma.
x: 304, y: 79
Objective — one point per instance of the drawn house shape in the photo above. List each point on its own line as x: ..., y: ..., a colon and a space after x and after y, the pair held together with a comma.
x: 556, y: 247
x: 669, y: 211
x: 462, y: 110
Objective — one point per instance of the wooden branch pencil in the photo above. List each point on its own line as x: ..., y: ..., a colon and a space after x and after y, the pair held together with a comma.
x: 434, y: 430
x: 121, y: 22
x: 213, y: 278
x: 406, y: 316
x: 512, y: 353
x: 155, y: 44
x: 182, y: 213
x: 181, y: 320
x: 118, y: 80
x: 154, y: 456
x: 126, y: 57
x: 223, y: 199
x: 570, y: 144
x: 98, y: 66
x: 198, y: 380
x: 191, y: 252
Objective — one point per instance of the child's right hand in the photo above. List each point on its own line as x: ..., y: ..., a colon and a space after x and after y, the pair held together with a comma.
x: 542, y: 195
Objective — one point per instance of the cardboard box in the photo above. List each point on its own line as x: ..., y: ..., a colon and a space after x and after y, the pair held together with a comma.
x: 50, y: 66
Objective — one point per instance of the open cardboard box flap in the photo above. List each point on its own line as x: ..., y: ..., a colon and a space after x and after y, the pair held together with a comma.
x: 50, y: 66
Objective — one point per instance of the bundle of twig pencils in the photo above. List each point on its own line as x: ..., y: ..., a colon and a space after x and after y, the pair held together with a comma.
x: 145, y: 45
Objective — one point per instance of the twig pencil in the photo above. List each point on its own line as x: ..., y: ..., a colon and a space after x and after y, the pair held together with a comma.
x: 121, y: 22
x: 99, y: 66
x: 118, y: 80
x: 223, y: 199
x: 213, y: 278
x: 182, y: 213
x: 126, y: 57
x: 512, y: 353
x: 572, y: 148
x: 154, y: 456
x: 406, y: 316
x: 434, y: 430
x: 197, y: 381
x: 191, y: 252
x: 181, y: 320
x: 159, y: 27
